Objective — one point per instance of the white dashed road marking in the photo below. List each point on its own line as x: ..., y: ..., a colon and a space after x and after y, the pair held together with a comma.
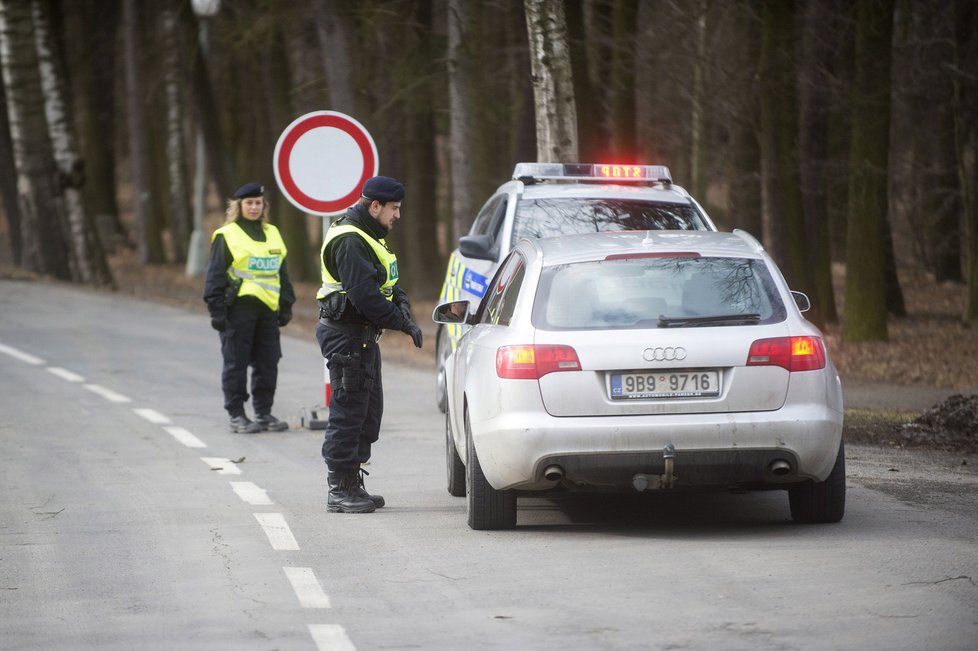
x: 222, y: 466
x: 330, y: 637
x: 108, y: 394
x: 278, y: 532
x: 65, y: 374
x: 22, y: 356
x: 306, y: 587
x: 185, y: 437
x: 153, y: 416
x: 251, y: 493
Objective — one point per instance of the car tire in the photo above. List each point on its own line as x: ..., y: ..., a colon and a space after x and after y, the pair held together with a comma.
x: 487, y: 507
x: 454, y: 465
x: 818, y: 502
x: 443, y: 348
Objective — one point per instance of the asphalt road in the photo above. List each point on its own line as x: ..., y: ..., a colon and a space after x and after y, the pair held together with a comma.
x: 131, y: 519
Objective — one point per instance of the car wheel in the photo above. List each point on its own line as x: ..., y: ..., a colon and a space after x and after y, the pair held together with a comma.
x: 443, y: 349
x: 456, y: 469
x: 819, y: 502
x: 488, y: 508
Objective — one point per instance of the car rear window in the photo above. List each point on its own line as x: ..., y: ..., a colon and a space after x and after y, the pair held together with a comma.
x: 653, y: 292
x: 537, y: 218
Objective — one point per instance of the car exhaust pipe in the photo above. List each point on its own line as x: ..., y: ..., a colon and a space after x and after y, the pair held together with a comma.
x: 779, y: 468
x: 553, y: 473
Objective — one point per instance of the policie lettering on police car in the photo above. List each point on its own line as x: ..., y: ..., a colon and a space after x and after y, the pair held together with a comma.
x: 664, y: 354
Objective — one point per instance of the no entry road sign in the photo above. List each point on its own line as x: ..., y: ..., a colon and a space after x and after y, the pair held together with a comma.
x: 322, y: 160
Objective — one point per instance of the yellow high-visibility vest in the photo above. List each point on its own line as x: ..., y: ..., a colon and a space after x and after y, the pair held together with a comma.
x: 255, y: 263
x: 384, y: 255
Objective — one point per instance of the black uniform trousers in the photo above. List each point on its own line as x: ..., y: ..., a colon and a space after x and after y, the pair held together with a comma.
x: 251, y: 339
x: 355, y: 411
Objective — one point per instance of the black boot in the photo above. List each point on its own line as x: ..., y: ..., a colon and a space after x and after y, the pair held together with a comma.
x: 271, y: 424
x: 344, y: 494
x: 362, y: 491
x: 243, y: 425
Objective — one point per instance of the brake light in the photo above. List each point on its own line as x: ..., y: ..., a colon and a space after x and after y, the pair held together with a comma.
x: 533, y: 362
x: 791, y: 353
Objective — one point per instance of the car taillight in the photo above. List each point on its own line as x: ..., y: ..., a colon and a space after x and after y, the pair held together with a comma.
x: 533, y: 362
x: 791, y: 353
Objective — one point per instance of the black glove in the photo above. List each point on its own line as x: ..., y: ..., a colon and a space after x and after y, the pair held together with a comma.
x: 219, y: 323
x: 415, y: 333
x: 284, y: 317
x: 405, y: 309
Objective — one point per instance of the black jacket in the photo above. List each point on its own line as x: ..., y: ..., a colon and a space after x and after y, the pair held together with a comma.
x: 351, y: 261
x: 216, y: 281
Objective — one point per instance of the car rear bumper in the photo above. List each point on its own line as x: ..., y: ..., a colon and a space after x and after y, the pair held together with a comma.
x: 516, y: 450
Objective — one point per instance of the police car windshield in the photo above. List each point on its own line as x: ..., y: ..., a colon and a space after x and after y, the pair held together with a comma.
x: 656, y: 293
x: 537, y: 218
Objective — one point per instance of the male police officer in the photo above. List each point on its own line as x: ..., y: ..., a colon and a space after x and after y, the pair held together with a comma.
x: 358, y: 300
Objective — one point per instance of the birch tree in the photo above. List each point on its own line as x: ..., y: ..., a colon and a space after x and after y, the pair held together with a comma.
x: 41, y: 208
x: 553, y: 87
x: 88, y: 256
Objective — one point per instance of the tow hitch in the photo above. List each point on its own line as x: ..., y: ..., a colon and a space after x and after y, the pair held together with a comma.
x: 666, y: 480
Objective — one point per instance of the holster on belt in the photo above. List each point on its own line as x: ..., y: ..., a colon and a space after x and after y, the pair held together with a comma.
x: 353, y: 377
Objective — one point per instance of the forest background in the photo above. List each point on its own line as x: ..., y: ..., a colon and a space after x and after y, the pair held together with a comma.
x: 842, y: 133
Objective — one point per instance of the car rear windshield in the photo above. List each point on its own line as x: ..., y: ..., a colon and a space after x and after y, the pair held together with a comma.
x: 657, y: 292
x: 537, y: 218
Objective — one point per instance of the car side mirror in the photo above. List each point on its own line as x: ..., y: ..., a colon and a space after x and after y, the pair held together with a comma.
x: 477, y: 247
x: 801, y: 300
x: 451, y: 313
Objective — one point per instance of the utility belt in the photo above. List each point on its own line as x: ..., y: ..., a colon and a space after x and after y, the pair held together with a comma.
x: 360, y: 330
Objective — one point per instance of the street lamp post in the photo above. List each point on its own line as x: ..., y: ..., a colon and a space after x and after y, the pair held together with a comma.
x: 197, y: 252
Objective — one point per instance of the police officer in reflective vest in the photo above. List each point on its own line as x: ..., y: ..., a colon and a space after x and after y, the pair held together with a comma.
x: 358, y: 300
x: 249, y: 297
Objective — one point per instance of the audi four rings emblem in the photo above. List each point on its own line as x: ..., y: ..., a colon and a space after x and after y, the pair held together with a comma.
x: 664, y: 354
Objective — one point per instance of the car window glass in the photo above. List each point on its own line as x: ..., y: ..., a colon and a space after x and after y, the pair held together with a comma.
x: 636, y: 292
x: 500, y: 299
x: 537, y: 218
x: 484, y: 221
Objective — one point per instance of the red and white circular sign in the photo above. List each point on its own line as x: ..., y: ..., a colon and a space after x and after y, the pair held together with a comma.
x: 322, y: 161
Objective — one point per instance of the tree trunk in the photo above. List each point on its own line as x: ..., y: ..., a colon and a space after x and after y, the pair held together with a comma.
x: 461, y: 117
x: 622, y: 87
x: 91, y: 33
x: 333, y: 30
x: 206, y: 113
x: 148, y: 243
x: 779, y: 128
x: 819, y: 44
x: 965, y: 107
x: 176, y: 155
x: 43, y: 222
x: 87, y: 250
x: 8, y: 184
x: 697, y: 119
x: 866, y: 310
x: 553, y: 88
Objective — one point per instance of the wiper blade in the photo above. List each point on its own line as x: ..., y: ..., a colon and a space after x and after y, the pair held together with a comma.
x: 714, y: 319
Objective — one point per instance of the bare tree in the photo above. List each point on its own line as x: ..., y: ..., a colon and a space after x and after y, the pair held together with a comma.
x: 43, y: 222
x: 461, y: 109
x: 148, y: 243
x: 176, y: 154
x: 865, y: 317
x: 553, y: 86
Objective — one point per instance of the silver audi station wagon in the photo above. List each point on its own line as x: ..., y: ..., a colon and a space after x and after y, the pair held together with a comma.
x: 640, y: 361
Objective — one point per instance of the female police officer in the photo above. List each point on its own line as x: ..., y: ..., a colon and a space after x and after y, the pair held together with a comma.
x: 358, y: 299
x: 249, y: 296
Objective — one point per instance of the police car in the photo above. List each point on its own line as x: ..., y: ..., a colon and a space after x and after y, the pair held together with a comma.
x: 550, y: 199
